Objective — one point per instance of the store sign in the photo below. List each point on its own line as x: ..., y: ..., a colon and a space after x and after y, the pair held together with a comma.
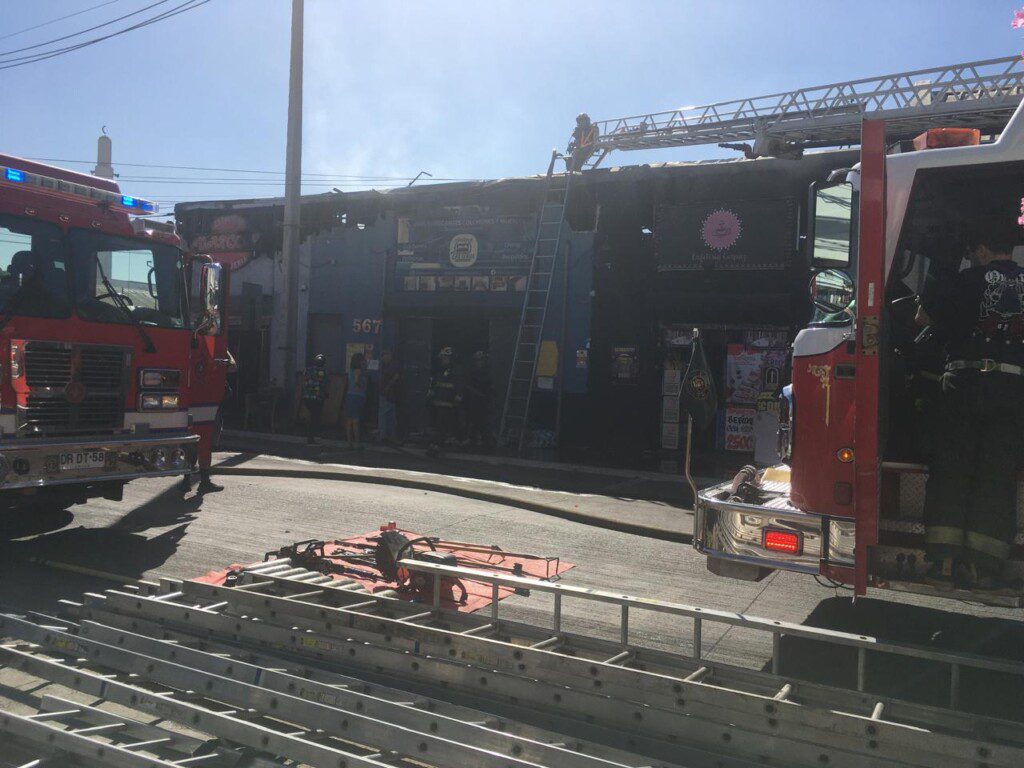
x: 738, y: 429
x: 740, y: 235
x: 464, y: 248
x: 230, y: 241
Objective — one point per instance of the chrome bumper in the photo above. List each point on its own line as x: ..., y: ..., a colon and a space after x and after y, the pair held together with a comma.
x: 36, y: 463
x: 734, y: 531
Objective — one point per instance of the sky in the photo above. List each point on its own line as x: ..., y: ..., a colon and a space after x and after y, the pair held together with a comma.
x: 474, y: 89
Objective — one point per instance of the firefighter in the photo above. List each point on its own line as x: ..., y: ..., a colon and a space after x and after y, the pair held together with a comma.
x: 314, y: 393
x: 581, y: 147
x: 445, y: 397
x: 970, y: 497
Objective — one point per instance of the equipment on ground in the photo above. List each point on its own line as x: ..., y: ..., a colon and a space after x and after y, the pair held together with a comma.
x: 289, y: 664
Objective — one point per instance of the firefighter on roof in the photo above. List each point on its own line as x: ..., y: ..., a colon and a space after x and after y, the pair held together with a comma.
x: 970, y: 498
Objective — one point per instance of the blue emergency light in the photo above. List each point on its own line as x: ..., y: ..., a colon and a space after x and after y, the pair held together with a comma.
x: 84, y: 190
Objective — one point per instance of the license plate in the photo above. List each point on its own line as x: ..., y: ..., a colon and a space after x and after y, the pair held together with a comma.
x: 72, y: 460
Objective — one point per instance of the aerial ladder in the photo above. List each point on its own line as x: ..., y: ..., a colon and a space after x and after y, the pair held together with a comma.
x: 978, y: 94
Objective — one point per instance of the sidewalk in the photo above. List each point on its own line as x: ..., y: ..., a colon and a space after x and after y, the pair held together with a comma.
x: 553, y: 475
x: 655, y: 519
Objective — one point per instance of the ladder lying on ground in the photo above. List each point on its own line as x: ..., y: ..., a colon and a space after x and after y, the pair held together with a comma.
x: 289, y: 664
x: 546, y: 250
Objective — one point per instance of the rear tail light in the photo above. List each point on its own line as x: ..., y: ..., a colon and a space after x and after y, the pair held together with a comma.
x: 786, y: 542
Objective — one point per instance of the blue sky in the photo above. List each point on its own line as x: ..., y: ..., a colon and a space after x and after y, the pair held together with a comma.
x: 460, y: 89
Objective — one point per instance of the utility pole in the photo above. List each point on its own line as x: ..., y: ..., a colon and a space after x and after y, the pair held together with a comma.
x: 292, y: 200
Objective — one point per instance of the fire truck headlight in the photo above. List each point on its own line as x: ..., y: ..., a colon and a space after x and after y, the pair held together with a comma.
x: 159, y: 378
x: 178, y: 458
x: 158, y: 402
x: 159, y: 458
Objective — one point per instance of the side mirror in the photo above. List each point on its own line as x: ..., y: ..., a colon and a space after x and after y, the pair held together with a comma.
x: 831, y: 225
x: 832, y: 291
x: 211, y: 290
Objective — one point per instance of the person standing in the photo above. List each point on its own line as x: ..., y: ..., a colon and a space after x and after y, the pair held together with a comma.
x: 444, y: 397
x: 387, y: 408
x: 970, y: 496
x: 355, y: 399
x: 314, y: 393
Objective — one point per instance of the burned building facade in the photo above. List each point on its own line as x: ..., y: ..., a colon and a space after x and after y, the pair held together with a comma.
x: 650, y: 253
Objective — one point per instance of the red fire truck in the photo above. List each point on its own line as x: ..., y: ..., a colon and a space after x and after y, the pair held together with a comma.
x: 848, y: 504
x: 112, y: 341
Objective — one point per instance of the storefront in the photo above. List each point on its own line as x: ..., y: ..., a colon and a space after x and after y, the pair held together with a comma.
x: 653, y: 252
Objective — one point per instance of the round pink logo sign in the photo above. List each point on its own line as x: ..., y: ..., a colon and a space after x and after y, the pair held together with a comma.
x: 721, y: 229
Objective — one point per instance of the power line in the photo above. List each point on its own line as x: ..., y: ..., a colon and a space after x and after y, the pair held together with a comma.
x: 231, y: 170
x: 82, y: 32
x: 206, y: 183
x: 189, y: 5
x: 60, y: 18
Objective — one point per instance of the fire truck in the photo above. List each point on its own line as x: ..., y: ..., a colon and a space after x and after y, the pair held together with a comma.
x: 112, y: 341
x: 935, y: 144
x: 848, y: 503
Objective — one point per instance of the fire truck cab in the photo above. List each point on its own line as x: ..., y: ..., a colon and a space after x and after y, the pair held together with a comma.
x: 848, y: 503
x: 112, y: 341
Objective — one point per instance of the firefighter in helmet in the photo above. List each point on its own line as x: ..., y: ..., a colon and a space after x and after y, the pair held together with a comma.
x: 581, y: 147
x: 445, y: 397
x: 970, y: 497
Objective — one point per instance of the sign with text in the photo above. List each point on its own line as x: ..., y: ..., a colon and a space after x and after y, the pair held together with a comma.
x: 757, y: 235
x: 464, y: 248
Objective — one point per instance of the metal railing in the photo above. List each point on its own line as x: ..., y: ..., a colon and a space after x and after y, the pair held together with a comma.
x: 777, y: 629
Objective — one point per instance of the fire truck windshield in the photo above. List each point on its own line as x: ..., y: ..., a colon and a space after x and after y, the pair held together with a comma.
x: 146, y: 278
x: 33, y: 272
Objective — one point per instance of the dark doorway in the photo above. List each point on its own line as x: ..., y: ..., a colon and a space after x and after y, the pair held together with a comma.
x: 465, y: 335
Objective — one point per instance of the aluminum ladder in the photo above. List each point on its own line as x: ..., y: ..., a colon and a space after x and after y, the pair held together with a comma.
x: 291, y: 664
x: 546, y: 250
x: 976, y: 94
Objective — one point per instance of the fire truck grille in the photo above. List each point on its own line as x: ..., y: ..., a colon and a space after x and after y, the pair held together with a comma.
x: 50, y: 368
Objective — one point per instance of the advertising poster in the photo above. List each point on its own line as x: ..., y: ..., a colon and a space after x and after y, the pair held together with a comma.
x: 670, y: 409
x: 737, y: 428
x: 757, y: 235
x: 749, y: 371
x: 670, y: 436
x: 671, y: 381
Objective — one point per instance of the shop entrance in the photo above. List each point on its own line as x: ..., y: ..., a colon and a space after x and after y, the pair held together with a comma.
x: 420, y: 339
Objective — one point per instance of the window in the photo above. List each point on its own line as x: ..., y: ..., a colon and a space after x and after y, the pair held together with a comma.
x: 119, y: 280
x: 833, y: 225
x: 33, y: 272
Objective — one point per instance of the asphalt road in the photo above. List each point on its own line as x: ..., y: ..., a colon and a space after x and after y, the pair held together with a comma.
x: 154, y: 532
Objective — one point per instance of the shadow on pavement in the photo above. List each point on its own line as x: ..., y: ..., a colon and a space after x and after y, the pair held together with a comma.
x: 913, y: 679
x: 121, y: 549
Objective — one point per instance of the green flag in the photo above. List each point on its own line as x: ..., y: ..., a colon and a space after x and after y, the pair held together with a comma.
x: 697, y: 396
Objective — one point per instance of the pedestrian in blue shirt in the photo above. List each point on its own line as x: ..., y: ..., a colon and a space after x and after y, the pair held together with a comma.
x: 355, y: 399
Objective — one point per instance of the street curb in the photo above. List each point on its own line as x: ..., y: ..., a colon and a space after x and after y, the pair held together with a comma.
x: 474, y: 458
x: 636, y: 529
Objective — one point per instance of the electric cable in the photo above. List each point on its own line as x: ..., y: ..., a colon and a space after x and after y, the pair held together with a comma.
x: 189, y: 5
x: 59, y: 18
x: 82, y: 32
